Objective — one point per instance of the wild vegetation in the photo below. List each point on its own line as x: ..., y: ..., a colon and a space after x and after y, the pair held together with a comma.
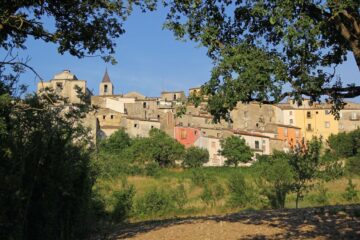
x: 304, y: 177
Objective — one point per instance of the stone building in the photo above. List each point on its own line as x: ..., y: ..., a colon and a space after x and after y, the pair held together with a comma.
x: 138, y: 127
x: 349, y: 117
x: 66, y: 85
x: 252, y: 116
x: 171, y: 96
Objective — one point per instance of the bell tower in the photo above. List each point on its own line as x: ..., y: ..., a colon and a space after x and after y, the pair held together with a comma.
x: 106, y: 86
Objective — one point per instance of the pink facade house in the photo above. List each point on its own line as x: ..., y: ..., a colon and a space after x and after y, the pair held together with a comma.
x: 187, y: 136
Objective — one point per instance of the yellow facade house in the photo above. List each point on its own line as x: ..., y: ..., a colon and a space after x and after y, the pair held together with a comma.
x: 314, y: 120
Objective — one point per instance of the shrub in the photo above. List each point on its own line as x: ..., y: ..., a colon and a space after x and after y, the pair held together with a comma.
x: 200, y: 178
x: 212, y: 193
x: 154, y: 202
x: 351, y: 194
x: 353, y: 165
x: 195, y: 157
x: 116, y: 143
x: 240, y: 192
x: 323, y: 196
x: 152, y: 169
x: 179, y: 196
x: 124, y: 203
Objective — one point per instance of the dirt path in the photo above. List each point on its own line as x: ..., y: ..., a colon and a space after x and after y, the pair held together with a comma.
x: 339, y: 222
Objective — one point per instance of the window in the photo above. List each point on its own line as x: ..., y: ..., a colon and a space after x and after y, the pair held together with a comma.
x: 152, y: 127
x: 327, y: 124
x: 309, y: 128
x: 174, y: 96
x: 112, y: 116
x: 204, y: 133
x: 125, y: 110
x: 180, y: 123
x: 291, y: 121
x: 158, y: 116
x: 195, y: 132
x: 104, y: 116
x: 144, y: 104
x: 290, y: 113
x: 183, y: 134
x: 135, y: 125
x: 308, y: 114
x: 59, y: 86
x: 257, y: 145
x: 353, y: 116
x: 105, y: 88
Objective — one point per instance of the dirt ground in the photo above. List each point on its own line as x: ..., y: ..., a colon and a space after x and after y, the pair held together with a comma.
x: 335, y: 222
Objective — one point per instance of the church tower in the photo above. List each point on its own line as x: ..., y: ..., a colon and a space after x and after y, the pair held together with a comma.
x: 106, y: 87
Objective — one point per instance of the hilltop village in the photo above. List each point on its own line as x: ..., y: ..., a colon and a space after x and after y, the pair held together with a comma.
x: 264, y: 127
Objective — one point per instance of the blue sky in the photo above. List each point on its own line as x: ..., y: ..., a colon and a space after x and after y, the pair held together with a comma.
x: 150, y: 60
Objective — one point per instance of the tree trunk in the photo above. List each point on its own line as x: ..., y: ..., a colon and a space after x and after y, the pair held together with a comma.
x: 297, y: 200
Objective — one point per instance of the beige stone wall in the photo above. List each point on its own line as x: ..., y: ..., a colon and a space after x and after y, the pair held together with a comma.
x: 64, y: 88
x: 252, y: 116
x: 349, y: 120
x: 108, y: 118
x: 173, y: 96
x: 139, y: 127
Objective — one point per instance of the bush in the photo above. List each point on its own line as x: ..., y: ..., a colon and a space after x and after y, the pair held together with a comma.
x: 240, y: 192
x: 195, y: 157
x: 124, y: 203
x: 154, y: 202
x: 323, y: 196
x: 179, y: 196
x: 152, y: 169
x: 200, y: 178
x: 353, y: 165
x: 212, y: 194
x: 351, y: 194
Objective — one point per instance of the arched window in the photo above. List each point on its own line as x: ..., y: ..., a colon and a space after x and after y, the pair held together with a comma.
x: 105, y: 88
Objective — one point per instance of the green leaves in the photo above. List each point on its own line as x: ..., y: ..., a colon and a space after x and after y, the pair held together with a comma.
x: 235, y: 150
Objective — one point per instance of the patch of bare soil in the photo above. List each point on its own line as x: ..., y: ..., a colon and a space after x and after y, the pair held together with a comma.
x: 332, y: 222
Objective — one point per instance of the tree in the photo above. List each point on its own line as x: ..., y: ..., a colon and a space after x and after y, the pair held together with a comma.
x: 275, y: 178
x: 45, y: 174
x: 272, y: 49
x: 305, y: 164
x: 79, y: 27
x: 235, y: 150
x: 195, y: 157
x: 164, y: 149
x: 117, y: 142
